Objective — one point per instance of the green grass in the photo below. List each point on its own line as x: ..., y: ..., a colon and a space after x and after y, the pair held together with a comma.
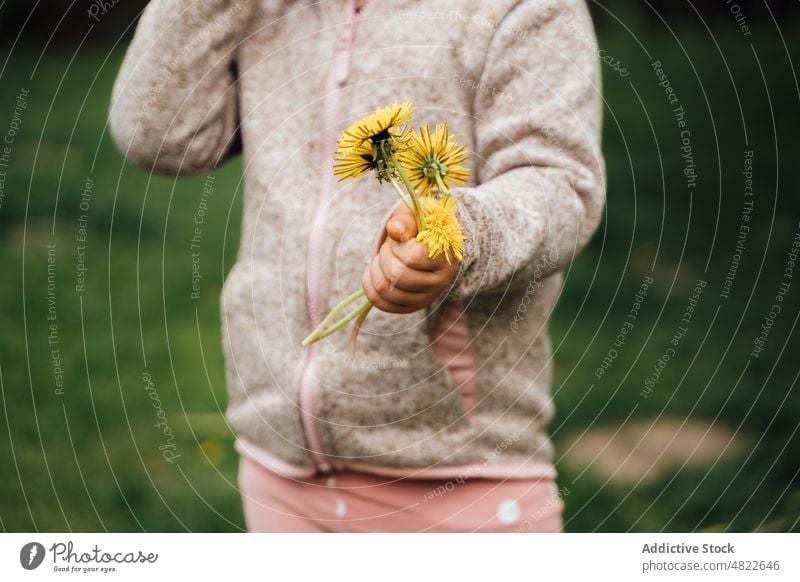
x: 89, y: 459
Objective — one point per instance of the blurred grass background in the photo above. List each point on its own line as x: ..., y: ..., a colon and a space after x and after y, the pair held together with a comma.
x: 89, y: 459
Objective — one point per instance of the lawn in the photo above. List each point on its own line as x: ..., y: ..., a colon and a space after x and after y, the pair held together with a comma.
x: 112, y: 372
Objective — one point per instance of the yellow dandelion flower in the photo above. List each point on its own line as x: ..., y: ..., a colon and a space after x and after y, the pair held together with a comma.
x: 442, y: 232
x: 354, y: 162
x: 429, y: 157
x: 384, y: 123
x: 368, y: 142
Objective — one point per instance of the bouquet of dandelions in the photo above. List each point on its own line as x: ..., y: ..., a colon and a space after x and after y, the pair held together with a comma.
x: 421, y: 166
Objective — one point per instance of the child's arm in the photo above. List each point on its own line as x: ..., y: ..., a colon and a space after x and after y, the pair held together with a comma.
x: 174, y: 107
x: 540, y: 171
x: 539, y: 166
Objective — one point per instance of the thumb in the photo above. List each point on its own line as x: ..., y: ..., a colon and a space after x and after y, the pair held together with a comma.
x: 401, y: 226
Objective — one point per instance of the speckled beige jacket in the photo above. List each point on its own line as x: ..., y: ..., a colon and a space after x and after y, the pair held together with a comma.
x: 460, y: 389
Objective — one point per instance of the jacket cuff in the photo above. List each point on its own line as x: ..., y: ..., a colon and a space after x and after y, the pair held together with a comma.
x: 468, y: 209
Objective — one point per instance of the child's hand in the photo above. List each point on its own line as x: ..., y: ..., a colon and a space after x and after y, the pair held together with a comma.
x: 401, y: 277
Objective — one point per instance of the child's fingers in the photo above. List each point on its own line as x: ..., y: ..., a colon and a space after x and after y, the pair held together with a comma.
x: 414, y: 254
x: 391, y: 293
x: 372, y: 295
x: 400, y: 275
x: 401, y: 226
x: 377, y: 298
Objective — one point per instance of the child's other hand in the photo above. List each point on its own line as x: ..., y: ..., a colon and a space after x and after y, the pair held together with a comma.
x: 401, y: 278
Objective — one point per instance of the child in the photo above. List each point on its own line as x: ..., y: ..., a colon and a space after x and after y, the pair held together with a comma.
x: 439, y: 423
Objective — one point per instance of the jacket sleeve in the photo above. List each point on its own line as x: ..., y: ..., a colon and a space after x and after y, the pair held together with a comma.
x: 174, y: 104
x: 539, y: 171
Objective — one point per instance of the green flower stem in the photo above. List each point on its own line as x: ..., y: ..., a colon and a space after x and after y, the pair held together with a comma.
x: 357, y: 329
x: 344, y: 321
x: 315, y: 335
x: 442, y: 187
x: 413, y: 193
x: 401, y: 194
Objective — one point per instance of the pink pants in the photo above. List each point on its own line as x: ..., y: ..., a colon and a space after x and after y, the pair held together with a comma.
x: 358, y: 502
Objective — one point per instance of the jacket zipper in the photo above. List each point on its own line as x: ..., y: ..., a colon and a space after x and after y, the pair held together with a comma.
x: 337, y: 76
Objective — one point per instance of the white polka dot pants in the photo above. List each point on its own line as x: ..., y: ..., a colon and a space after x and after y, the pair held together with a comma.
x: 359, y: 502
